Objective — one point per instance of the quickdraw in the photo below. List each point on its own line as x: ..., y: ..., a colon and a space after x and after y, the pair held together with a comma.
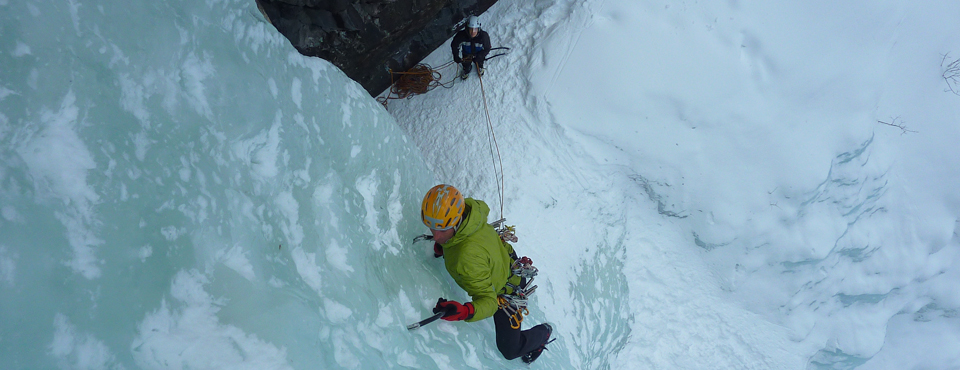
x: 515, y: 313
x: 523, y: 267
x: 515, y: 303
x: 507, y: 233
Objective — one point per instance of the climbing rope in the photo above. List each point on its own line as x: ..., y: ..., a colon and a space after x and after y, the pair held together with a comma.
x: 421, y: 79
x: 418, y: 80
x: 497, y: 159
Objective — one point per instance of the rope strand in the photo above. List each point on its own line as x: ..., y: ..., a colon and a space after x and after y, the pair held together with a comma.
x: 499, y: 176
x: 418, y: 80
x: 422, y: 78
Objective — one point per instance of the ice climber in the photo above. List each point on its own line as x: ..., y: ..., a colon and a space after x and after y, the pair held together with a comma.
x: 485, y: 267
x: 470, y: 46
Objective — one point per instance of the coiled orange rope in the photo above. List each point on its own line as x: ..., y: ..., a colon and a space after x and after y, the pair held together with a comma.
x: 418, y: 80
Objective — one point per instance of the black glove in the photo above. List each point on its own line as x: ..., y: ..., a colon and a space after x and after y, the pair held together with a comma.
x: 437, y: 250
x: 457, y: 59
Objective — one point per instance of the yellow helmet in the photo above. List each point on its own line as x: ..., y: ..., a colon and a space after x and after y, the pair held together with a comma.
x: 442, y: 207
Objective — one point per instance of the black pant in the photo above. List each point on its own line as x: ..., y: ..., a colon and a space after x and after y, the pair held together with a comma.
x: 468, y: 66
x: 514, y: 343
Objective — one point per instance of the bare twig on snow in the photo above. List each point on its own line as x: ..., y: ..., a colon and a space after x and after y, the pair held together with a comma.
x: 951, y: 74
x: 901, y: 125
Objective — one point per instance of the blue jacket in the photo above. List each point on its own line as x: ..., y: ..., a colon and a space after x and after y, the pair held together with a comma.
x: 478, y: 46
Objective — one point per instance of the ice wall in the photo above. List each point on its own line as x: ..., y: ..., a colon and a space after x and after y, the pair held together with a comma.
x: 181, y: 189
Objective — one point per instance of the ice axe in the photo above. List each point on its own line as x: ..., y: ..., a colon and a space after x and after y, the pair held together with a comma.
x: 430, y: 319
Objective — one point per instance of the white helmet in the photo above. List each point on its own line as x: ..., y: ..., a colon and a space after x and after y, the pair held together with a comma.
x: 473, y: 22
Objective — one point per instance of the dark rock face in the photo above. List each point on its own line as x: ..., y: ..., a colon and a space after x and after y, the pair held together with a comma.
x: 366, y: 38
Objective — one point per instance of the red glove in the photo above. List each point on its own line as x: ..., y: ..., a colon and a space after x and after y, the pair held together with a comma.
x: 437, y: 250
x: 453, y: 310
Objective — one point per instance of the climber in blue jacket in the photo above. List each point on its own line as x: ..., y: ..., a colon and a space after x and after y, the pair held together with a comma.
x: 470, y: 46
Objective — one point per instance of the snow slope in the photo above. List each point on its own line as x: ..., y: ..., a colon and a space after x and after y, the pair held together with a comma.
x: 712, y: 179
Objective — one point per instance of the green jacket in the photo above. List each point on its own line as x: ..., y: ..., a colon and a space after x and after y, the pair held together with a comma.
x: 478, y: 260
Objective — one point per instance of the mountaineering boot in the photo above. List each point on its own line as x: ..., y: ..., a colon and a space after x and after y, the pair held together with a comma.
x: 533, y: 355
x: 480, y: 71
x: 465, y: 72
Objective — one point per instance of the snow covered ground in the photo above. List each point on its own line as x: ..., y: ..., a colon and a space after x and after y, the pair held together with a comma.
x: 703, y: 186
x: 717, y: 176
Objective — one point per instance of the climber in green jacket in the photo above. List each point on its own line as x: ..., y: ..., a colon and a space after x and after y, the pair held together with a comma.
x: 480, y: 262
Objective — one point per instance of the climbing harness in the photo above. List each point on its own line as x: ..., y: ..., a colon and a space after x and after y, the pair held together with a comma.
x: 514, y: 304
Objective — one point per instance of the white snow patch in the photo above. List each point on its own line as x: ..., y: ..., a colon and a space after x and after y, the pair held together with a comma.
x: 4, y: 92
x: 170, y: 233
x: 335, y: 311
x: 347, y: 114
x: 343, y: 343
x: 74, y: 8
x: 33, y: 9
x: 368, y: 187
x: 132, y: 97
x: 10, y: 214
x: 272, y: 85
x: 395, y: 214
x: 141, y: 145
x: 337, y: 256
x: 262, y: 151
x: 21, y: 49
x: 8, y: 266
x: 194, y: 71
x: 58, y: 161
x: 323, y: 194
x: 276, y: 282
x: 236, y: 259
x: 75, y: 350
x: 184, y: 171
x: 296, y: 93
x: 407, y: 359
x: 384, y: 317
x: 145, y: 252
x: 186, y: 334
x: 290, y: 209
x: 307, y: 268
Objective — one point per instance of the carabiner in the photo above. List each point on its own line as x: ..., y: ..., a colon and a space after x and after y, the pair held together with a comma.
x: 515, y: 321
